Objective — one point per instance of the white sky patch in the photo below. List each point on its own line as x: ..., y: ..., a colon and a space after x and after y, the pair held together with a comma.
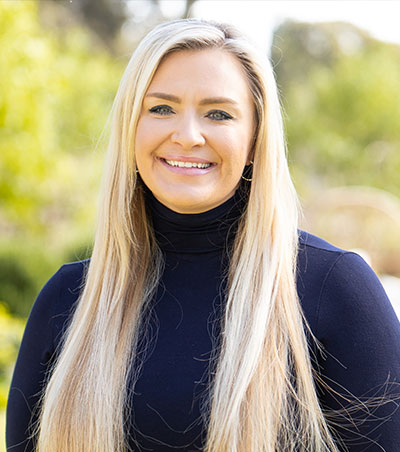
x: 258, y: 18
x: 172, y: 8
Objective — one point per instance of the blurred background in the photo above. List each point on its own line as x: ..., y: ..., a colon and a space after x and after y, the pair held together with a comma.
x: 338, y: 70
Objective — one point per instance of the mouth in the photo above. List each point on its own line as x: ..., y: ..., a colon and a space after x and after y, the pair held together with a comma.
x: 188, y: 167
x: 181, y: 164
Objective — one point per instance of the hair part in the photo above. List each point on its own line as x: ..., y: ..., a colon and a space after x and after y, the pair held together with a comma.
x: 262, y: 397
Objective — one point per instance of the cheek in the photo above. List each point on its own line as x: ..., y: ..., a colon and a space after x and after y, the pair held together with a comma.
x: 233, y: 149
x: 148, y: 137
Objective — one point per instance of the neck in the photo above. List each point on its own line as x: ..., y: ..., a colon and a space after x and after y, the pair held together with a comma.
x: 196, y: 233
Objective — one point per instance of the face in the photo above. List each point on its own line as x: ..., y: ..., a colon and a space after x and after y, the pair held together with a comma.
x: 195, y: 130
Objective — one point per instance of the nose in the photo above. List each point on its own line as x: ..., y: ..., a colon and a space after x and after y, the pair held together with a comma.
x: 188, y: 133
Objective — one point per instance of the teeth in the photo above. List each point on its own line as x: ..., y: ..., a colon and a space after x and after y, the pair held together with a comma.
x: 187, y: 164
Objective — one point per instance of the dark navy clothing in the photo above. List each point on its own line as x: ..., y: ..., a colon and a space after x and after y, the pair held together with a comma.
x: 342, y: 299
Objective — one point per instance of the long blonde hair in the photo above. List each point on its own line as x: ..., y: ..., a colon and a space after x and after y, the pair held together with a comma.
x: 262, y: 396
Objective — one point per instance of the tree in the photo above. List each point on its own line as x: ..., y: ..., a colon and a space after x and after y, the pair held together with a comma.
x: 340, y: 90
x: 55, y: 96
x: 105, y: 18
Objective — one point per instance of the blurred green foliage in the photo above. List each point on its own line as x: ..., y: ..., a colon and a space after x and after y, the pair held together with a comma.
x: 341, y: 93
x: 56, y: 91
x: 11, y: 329
x: 15, y: 284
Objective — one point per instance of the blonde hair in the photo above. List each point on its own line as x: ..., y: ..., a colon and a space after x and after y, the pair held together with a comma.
x: 262, y: 397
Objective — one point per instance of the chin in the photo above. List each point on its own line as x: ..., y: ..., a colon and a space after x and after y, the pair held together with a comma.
x: 187, y: 204
x: 184, y: 200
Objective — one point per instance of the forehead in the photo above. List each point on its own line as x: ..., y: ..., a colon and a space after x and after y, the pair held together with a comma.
x: 214, y: 71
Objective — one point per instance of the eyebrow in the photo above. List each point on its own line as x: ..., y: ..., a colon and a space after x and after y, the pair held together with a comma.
x: 206, y: 101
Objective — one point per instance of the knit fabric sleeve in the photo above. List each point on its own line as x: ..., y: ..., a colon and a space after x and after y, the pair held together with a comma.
x: 360, y: 357
x: 47, y: 321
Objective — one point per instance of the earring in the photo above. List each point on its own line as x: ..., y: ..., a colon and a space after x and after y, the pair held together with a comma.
x: 245, y: 178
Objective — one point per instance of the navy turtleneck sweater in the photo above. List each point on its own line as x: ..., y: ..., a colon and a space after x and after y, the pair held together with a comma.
x: 342, y: 300
x: 184, y: 315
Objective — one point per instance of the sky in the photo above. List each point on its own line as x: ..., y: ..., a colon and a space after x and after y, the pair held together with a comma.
x: 258, y: 18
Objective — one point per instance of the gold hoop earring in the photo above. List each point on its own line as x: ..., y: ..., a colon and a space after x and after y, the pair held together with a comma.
x: 245, y: 178
x: 248, y: 180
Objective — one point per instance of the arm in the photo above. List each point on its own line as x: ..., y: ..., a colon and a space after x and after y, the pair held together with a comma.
x: 34, y: 360
x: 360, y: 360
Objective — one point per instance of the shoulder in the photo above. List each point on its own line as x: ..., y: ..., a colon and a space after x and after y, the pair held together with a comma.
x: 315, y: 262
x: 325, y: 266
x: 313, y: 249
x: 317, y: 259
x: 55, y: 302
x: 66, y: 284
x: 335, y: 282
x: 71, y: 275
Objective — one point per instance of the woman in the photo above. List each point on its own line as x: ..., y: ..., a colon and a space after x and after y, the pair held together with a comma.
x: 204, y: 320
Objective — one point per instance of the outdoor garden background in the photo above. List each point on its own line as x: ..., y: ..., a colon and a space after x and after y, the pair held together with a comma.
x: 60, y: 65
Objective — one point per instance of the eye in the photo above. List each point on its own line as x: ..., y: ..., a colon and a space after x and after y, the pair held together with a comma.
x: 218, y: 115
x: 162, y: 110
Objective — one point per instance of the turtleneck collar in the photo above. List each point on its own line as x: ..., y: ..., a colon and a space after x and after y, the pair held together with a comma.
x: 196, y: 233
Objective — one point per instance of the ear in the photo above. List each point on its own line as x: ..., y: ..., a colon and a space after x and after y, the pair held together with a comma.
x: 250, y: 156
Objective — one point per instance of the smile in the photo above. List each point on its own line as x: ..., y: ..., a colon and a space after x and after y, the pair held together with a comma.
x: 181, y: 164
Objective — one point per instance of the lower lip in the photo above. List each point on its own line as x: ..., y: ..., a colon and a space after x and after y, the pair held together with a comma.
x: 187, y: 171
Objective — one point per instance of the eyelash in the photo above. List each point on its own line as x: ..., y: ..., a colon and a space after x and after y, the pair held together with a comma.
x: 161, y: 110
x: 225, y: 116
x: 165, y: 110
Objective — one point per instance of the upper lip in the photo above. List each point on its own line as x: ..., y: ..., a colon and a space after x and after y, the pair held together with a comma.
x: 185, y: 158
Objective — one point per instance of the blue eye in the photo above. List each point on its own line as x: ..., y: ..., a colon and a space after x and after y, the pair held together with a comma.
x: 219, y: 115
x: 162, y: 110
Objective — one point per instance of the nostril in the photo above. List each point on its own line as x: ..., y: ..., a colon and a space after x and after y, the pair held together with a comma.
x: 188, y: 139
